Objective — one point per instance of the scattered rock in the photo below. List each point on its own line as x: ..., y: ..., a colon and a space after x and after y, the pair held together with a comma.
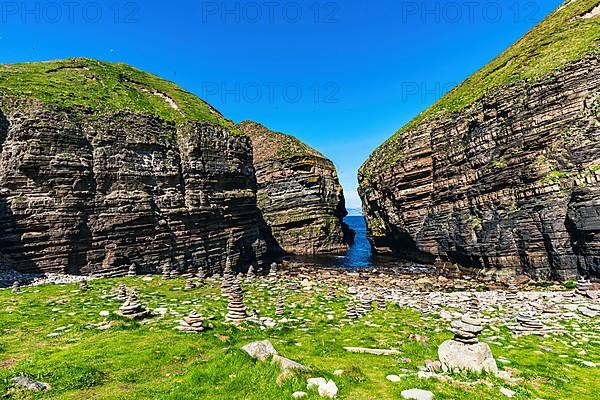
x: 30, y: 384
x: 417, y: 394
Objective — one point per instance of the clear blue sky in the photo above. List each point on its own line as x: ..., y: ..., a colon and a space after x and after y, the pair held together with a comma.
x: 364, y: 68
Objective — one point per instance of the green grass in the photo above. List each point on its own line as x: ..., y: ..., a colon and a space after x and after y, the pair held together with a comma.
x: 103, y: 86
x: 558, y: 40
x: 152, y: 361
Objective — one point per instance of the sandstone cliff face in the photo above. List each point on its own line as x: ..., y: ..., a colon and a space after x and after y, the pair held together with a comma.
x: 299, y: 194
x: 94, y: 192
x: 511, y: 182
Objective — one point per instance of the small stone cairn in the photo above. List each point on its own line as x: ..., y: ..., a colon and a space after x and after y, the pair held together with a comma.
x: 122, y: 292
x: 16, y: 287
x: 365, y: 304
x: 236, y: 310
x: 166, y: 272
x: 582, y: 286
x: 527, y: 324
x: 83, y: 286
x: 251, y: 275
x: 330, y: 294
x: 132, y: 271
x: 189, y: 284
x: 464, y: 352
x: 280, y: 307
x: 351, y: 311
x: 193, y: 323
x: 132, y: 309
x: 466, y: 330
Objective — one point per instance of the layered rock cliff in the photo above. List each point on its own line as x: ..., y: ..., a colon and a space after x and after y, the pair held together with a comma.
x: 103, y: 167
x: 299, y: 194
x: 502, y: 176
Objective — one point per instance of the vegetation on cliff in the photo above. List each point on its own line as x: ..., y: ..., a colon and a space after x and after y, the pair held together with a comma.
x: 102, y: 86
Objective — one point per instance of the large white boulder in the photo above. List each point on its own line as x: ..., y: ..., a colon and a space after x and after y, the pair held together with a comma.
x: 417, y: 394
x: 460, y: 356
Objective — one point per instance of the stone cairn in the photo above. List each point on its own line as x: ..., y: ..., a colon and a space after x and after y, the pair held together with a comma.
x: 381, y: 303
x: 236, y: 310
x: 582, y: 286
x: 83, y: 286
x: 189, y: 284
x: 122, y: 292
x: 16, y: 287
x: 273, y: 273
x: 193, y: 323
x: 527, y: 324
x: 132, y: 271
x: 280, y: 307
x: 330, y: 294
x: 251, y: 275
x: 365, y: 304
x: 202, y: 272
x: 166, y: 272
x: 351, y: 310
x: 466, y: 330
x: 228, y: 281
x: 465, y: 352
x: 132, y: 309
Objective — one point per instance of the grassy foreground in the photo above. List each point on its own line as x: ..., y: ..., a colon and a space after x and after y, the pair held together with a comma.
x: 152, y: 361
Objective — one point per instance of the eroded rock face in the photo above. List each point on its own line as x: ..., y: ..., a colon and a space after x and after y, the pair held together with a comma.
x: 510, y: 183
x: 93, y: 193
x: 299, y: 194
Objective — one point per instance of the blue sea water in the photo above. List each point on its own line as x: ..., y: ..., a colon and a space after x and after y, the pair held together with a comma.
x: 358, y: 256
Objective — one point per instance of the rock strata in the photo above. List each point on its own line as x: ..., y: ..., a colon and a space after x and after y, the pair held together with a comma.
x: 511, y: 182
x: 299, y: 194
x: 92, y: 190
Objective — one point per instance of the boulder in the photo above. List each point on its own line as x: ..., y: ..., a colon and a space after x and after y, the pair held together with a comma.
x: 417, y: 394
x: 261, y: 350
x: 475, y: 357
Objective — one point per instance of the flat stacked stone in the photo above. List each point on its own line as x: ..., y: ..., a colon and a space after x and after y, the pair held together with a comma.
x: 83, y: 286
x: 193, y: 323
x: 236, y: 310
x: 466, y: 330
x: 227, y: 284
x: 351, y: 311
x: 16, y: 287
x: 330, y: 294
x: 527, y: 324
x: 202, y: 272
x: 189, y: 284
x: 365, y: 304
x: 132, y: 309
x: 582, y: 286
x: 381, y: 303
x: 166, y: 272
x: 251, y: 275
x: 122, y: 292
x: 132, y: 271
x: 280, y: 307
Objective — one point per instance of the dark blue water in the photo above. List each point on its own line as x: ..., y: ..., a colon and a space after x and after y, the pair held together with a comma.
x: 358, y: 256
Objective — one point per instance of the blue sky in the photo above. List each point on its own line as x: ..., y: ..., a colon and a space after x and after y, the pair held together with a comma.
x: 340, y: 75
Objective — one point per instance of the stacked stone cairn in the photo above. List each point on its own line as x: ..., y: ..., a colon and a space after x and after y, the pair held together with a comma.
x: 351, y: 310
x: 132, y: 309
x: 330, y: 293
x: 251, y: 275
x: 466, y: 330
x: 132, y: 271
x: 16, y: 287
x: 464, y: 352
x: 365, y: 304
x: 582, y: 286
x: 236, y: 310
x: 202, y: 272
x: 166, y: 272
x: 189, y: 284
x: 83, y: 286
x: 280, y: 307
x: 527, y: 324
x: 122, y: 292
x: 193, y: 323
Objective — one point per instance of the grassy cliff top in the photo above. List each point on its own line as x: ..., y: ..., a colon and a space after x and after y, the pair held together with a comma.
x: 269, y: 145
x: 566, y: 35
x: 104, y: 86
